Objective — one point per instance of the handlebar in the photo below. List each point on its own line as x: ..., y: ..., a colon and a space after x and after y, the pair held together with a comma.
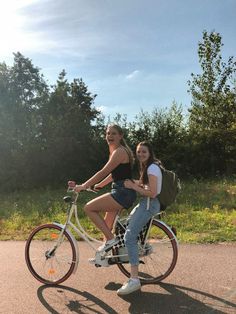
x: 72, y: 185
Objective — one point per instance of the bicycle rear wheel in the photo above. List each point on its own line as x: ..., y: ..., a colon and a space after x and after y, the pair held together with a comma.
x: 159, y: 257
x: 50, y: 254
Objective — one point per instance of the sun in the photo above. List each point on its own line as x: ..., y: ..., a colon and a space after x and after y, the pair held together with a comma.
x: 12, y: 23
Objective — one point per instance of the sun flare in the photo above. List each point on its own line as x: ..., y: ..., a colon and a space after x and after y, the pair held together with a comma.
x: 13, y: 31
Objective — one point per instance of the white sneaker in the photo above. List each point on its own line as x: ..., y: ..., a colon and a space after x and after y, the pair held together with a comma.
x: 130, y: 286
x: 106, y: 246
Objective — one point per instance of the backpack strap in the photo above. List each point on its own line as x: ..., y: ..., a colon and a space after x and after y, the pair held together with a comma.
x: 159, y: 165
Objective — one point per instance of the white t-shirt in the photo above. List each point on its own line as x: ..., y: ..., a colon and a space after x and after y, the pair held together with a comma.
x: 155, y: 170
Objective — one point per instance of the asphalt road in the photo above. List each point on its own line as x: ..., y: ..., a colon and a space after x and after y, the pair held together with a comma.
x: 204, y: 281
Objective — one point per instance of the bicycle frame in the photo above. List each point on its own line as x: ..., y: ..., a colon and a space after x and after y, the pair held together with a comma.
x: 60, y: 250
x: 73, y: 211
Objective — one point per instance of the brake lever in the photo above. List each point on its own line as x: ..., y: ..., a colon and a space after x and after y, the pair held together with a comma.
x: 91, y: 190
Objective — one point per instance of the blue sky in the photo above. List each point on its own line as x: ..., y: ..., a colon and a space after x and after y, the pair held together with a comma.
x: 133, y: 54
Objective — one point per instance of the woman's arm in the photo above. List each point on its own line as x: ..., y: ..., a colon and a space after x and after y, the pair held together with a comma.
x: 117, y: 157
x: 151, y: 190
x: 104, y: 182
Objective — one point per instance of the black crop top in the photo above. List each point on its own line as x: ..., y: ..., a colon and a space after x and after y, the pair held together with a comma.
x: 122, y: 172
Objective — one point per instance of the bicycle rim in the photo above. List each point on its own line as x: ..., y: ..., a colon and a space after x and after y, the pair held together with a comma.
x: 161, y: 257
x: 48, y: 261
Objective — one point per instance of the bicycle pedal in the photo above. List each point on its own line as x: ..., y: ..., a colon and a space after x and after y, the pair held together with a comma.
x: 102, y: 254
x: 100, y: 260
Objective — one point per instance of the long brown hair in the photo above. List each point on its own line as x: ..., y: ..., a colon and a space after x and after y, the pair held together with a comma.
x: 151, y: 160
x: 123, y: 141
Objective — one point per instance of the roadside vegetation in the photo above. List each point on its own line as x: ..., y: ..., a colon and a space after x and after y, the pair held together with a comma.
x: 53, y: 133
x: 205, y: 212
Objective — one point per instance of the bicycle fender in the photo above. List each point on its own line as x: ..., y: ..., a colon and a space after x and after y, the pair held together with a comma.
x: 75, y: 244
x: 164, y: 224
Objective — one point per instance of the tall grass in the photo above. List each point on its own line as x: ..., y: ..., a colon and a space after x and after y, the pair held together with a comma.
x: 205, y: 211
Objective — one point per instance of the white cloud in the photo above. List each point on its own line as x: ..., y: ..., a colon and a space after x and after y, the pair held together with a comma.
x: 130, y: 57
x: 153, y: 90
x: 132, y: 75
x: 15, y: 31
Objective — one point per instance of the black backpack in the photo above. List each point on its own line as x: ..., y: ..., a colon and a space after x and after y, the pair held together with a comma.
x: 170, y: 187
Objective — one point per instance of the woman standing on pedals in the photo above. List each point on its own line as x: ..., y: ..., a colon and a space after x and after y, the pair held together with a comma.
x: 116, y: 170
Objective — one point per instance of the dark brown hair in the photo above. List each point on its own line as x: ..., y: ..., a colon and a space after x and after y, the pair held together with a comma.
x: 152, y: 159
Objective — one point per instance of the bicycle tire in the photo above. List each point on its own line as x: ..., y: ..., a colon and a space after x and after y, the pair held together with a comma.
x: 152, y: 266
x: 53, y: 269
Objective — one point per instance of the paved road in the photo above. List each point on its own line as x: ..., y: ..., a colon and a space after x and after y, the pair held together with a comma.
x: 204, y: 281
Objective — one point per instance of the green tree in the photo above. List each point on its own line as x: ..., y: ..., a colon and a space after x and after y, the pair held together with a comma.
x: 212, y: 119
x: 22, y: 93
x: 47, y: 135
x: 165, y: 129
x: 67, y: 134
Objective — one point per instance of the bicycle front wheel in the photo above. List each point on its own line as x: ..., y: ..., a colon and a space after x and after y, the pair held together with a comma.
x: 159, y: 256
x: 50, y: 254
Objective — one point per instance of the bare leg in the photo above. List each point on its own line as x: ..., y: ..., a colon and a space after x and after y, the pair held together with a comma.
x: 102, y: 203
x: 109, y: 219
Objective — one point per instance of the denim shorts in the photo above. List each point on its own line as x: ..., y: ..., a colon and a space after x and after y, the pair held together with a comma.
x: 123, y: 196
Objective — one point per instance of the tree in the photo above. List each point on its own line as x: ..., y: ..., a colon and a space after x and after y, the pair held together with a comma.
x: 212, y: 119
x: 22, y: 93
x: 67, y: 133
x: 46, y: 135
x: 165, y: 130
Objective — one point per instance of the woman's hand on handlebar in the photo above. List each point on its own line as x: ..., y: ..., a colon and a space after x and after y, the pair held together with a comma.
x: 79, y: 188
x: 72, y: 186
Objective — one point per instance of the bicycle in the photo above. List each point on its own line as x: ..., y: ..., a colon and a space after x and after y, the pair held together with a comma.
x: 52, y: 252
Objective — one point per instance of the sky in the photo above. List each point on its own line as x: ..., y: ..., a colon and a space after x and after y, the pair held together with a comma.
x: 134, y: 54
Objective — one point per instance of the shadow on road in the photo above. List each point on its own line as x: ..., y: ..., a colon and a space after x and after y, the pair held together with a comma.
x: 169, y: 299
x: 176, y: 299
x: 62, y: 299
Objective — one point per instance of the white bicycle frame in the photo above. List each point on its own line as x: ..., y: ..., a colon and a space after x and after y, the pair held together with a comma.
x: 84, y: 235
x: 73, y: 211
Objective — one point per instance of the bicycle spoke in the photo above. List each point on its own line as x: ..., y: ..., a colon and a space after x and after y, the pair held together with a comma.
x: 50, y: 255
x: 158, y: 263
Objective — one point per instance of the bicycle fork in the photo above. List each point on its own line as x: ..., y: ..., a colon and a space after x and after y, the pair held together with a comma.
x: 61, y: 238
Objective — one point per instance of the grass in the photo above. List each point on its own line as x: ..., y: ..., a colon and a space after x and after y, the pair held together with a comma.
x: 205, y: 211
